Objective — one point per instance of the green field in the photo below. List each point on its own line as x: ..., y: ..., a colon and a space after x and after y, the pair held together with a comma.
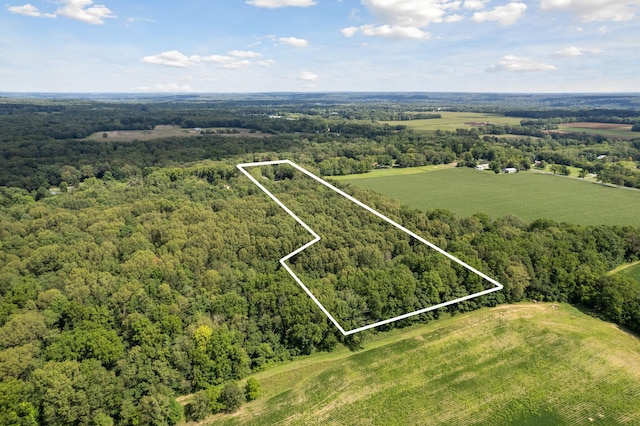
x: 526, y: 195
x: 622, y: 132
x: 527, y: 364
x: 632, y: 271
x: 455, y: 120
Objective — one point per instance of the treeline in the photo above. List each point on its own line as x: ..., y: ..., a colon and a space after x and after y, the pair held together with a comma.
x: 619, y: 116
x: 119, y: 296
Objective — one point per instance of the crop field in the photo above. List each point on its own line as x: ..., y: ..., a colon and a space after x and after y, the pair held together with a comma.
x: 456, y: 120
x: 605, y: 129
x: 526, y: 364
x: 526, y: 195
x: 161, y: 131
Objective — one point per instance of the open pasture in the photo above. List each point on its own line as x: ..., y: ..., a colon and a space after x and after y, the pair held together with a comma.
x: 632, y: 271
x: 526, y: 364
x: 612, y: 130
x: 456, y: 120
x: 526, y: 195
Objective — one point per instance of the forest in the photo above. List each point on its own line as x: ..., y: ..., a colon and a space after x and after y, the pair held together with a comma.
x: 132, y: 273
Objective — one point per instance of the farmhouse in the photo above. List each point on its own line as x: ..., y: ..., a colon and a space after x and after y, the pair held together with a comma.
x: 509, y: 170
x: 484, y: 166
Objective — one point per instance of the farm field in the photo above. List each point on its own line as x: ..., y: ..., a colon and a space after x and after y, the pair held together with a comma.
x: 455, y: 120
x: 605, y: 129
x: 526, y: 195
x: 161, y: 131
x: 525, y: 364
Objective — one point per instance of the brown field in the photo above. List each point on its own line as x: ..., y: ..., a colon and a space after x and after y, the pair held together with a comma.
x: 600, y: 126
x: 612, y: 130
x: 164, y: 131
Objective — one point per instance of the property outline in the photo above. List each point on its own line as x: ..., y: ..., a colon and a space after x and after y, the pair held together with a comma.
x: 317, y: 238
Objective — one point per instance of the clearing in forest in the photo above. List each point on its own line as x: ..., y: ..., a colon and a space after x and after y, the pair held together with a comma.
x: 362, y: 281
x: 166, y: 131
x: 611, y: 130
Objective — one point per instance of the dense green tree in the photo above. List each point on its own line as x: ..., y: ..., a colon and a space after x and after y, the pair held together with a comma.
x: 232, y: 397
x: 251, y: 389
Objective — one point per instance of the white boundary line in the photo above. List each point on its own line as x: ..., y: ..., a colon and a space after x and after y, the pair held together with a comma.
x: 317, y: 238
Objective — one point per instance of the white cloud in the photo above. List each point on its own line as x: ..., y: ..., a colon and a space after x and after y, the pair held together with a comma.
x: 411, y: 13
x: 266, y: 63
x: 596, y: 10
x: 81, y: 10
x: 453, y: 18
x: 274, y: 4
x: 172, y: 58
x: 388, y: 31
x: 394, y: 32
x: 474, y: 4
x: 237, y: 64
x: 28, y: 10
x: 130, y: 21
x: 506, y: 15
x: 175, y: 58
x: 294, y: 41
x: 574, y: 51
x: 349, y: 31
x: 409, y: 18
x: 85, y: 11
x: 308, y: 76
x: 512, y: 63
x: 244, y: 54
x: 164, y: 87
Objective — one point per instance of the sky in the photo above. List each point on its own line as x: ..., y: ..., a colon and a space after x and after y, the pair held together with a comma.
x: 229, y: 46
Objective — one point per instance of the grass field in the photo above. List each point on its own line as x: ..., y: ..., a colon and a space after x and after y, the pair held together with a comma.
x: 632, y: 271
x: 526, y: 364
x: 526, y: 195
x: 605, y: 129
x: 455, y: 120
x: 161, y: 131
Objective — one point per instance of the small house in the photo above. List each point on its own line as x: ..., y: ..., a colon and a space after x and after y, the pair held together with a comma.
x: 482, y: 166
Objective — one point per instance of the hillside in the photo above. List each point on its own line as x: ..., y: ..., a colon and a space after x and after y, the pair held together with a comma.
x: 514, y: 364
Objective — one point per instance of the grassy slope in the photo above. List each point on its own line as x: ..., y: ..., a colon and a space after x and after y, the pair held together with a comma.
x: 514, y: 364
x: 527, y: 195
x: 632, y: 271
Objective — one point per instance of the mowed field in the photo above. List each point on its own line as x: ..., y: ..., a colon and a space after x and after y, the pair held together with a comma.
x: 160, y: 131
x: 525, y: 364
x: 527, y: 195
x: 632, y: 271
x: 604, y: 129
x: 456, y: 120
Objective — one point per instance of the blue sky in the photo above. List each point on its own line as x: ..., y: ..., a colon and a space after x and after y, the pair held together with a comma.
x: 320, y: 45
